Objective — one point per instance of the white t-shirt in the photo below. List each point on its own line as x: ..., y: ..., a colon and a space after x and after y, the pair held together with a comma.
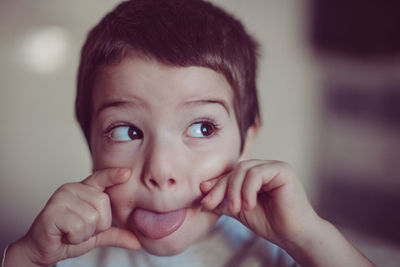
x: 229, y: 243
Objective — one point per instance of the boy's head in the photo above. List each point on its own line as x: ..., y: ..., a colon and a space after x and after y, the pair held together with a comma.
x: 178, y: 33
x: 166, y: 88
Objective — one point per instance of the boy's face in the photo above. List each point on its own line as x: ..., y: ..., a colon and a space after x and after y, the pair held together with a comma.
x: 175, y: 127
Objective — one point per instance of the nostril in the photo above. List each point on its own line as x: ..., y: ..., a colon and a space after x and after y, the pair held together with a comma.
x: 161, y: 184
x: 153, y: 182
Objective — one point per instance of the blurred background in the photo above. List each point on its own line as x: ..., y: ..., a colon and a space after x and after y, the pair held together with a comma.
x: 329, y: 84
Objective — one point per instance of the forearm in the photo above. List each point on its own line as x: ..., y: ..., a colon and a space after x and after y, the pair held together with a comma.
x: 325, y: 246
x: 17, y: 256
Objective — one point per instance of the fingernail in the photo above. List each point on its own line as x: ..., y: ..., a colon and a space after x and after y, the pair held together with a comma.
x: 124, y: 172
x: 207, y: 198
x: 206, y: 184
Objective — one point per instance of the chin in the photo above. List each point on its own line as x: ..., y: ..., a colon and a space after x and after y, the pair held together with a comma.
x: 165, y: 247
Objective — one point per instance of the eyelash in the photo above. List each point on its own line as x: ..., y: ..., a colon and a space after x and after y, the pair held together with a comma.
x: 108, y: 131
x: 215, y: 126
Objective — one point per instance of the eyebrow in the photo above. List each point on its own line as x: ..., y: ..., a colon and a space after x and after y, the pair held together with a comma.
x: 218, y: 101
x: 119, y: 103
x: 113, y: 103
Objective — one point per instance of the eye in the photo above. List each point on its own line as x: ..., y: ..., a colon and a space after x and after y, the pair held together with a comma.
x: 125, y: 133
x: 202, y: 129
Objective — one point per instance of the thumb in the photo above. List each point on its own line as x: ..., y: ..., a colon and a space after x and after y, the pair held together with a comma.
x: 222, y: 209
x: 117, y: 237
x: 102, y: 179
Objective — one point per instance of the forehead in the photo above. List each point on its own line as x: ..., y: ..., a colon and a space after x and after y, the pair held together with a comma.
x: 158, y: 85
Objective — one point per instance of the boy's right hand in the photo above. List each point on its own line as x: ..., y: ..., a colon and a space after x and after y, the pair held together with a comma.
x: 76, y: 219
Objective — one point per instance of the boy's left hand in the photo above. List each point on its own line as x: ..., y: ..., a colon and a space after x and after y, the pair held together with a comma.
x: 266, y: 196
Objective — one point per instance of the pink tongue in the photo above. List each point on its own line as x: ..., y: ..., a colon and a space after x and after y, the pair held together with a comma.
x: 158, y: 225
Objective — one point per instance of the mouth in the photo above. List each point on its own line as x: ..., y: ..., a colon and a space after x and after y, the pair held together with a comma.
x: 157, y: 225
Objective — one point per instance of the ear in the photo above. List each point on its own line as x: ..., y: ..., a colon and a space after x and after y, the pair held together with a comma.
x: 251, y: 136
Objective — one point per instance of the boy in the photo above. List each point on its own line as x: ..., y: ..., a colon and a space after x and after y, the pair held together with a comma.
x: 167, y: 102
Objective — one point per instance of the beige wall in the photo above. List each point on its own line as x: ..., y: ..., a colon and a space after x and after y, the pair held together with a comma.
x: 41, y: 146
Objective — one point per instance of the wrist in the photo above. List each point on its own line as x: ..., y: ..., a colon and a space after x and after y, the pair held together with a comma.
x: 17, y: 255
x: 315, y: 246
x: 306, y: 245
x: 308, y: 237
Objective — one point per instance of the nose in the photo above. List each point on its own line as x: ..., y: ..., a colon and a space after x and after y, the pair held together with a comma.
x: 160, y: 171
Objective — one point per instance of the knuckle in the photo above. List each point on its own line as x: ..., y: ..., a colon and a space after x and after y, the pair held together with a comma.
x: 46, y: 216
x: 103, y: 224
x: 242, y: 166
x: 282, y: 164
x: 287, y: 168
x: 66, y: 188
x: 58, y: 198
x: 103, y: 200
x: 231, y: 191
x: 286, y: 165
x: 92, y: 217
x: 96, y: 173
x: 77, y: 226
x: 253, y: 172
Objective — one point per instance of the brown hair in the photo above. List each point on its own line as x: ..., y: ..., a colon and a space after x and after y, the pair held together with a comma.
x: 174, y: 32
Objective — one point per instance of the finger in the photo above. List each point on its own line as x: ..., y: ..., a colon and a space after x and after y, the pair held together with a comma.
x: 107, y: 178
x: 117, y: 237
x: 206, y: 186
x: 75, y: 219
x: 73, y: 228
x: 100, y: 202
x: 222, y: 209
x: 236, y: 182
x: 251, y: 186
x: 266, y: 177
x: 80, y: 197
x: 234, y: 188
x: 88, y: 214
x: 216, y: 195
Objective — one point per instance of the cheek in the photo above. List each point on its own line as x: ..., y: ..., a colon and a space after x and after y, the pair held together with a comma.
x: 214, y: 162
x: 109, y: 158
x: 217, y: 158
x: 211, y: 166
x: 105, y: 155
